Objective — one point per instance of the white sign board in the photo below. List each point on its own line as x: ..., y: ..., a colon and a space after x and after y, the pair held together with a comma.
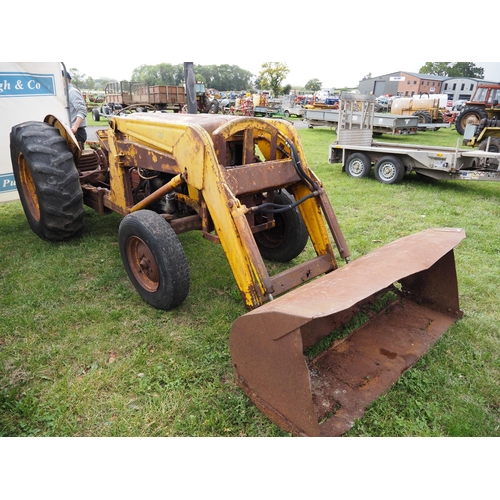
x: 28, y: 92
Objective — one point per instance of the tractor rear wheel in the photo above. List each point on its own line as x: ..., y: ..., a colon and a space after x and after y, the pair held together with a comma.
x: 469, y: 116
x: 288, y: 237
x: 214, y: 107
x: 47, y: 180
x: 423, y: 116
x: 154, y: 259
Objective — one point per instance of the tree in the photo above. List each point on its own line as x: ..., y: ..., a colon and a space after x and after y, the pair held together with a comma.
x: 457, y: 69
x: 89, y: 83
x: 313, y: 85
x: 467, y: 69
x: 438, y: 68
x: 223, y: 77
x: 77, y: 79
x: 271, y: 75
x: 159, y: 74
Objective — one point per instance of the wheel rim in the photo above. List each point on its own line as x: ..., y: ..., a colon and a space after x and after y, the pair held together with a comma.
x: 28, y: 187
x: 273, y: 237
x: 143, y: 264
x: 356, y: 168
x: 471, y: 120
x: 387, y: 171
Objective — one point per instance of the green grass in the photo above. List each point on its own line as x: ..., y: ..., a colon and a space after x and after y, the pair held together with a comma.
x: 82, y: 355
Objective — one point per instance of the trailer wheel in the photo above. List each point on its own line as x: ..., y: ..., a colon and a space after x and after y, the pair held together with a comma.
x: 154, y: 259
x: 389, y: 170
x: 47, y: 181
x: 469, y: 116
x: 288, y: 237
x: 95, y: 115
x: 358, y: 165
x: 286, y: 113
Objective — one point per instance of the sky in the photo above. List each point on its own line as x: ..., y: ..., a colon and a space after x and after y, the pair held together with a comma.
x: 332, y: 44
x: 300, y: 71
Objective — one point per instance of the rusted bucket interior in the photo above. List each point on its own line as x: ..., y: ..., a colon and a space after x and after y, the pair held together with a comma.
x: 321, y: 394
x: 356, y: 370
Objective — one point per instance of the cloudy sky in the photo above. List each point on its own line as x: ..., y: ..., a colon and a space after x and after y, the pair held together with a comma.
x: 300, y: 71
x: 338, y: 45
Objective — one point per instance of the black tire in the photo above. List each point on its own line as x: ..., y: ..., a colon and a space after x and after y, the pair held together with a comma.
x: 389, y: 170
x: 288, y: 237
x: 494, y: 145
x: 423, y: 116
x: 95, y: 115
x: 469, y: 116
x: 214, y: 107
x: 47, y: 181
x: 286, y: 113
x: 154, y: 259
x: 358, y: 165
x: 494, y: 148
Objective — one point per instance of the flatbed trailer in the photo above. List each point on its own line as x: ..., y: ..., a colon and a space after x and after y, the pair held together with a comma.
x: 356, y: 151
x: 392, y: 161
x: 265, y: 110
x: 383, y: 123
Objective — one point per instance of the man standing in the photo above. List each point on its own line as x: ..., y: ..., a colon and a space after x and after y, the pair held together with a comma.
x: 77, y: 112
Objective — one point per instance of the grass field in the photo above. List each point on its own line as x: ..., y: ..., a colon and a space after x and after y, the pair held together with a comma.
x: 82, y: 355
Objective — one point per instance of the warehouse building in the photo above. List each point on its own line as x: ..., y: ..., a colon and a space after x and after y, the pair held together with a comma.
x: 407, y: 84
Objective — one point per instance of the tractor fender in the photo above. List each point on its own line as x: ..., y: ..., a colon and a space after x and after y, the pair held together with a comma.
x: 67, y: 134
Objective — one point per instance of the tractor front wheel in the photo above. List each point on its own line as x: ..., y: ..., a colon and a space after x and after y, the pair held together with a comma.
x: 154, y: 259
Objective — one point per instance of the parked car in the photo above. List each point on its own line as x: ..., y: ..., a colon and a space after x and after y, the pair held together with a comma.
x: 383, y: 99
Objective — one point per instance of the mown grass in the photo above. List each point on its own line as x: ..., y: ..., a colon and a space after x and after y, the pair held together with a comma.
x: 82, y: 355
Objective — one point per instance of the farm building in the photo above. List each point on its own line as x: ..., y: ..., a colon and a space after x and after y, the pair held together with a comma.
x: 407, y: 84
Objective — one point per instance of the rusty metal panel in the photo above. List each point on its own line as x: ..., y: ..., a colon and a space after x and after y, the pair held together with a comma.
x: 261, y: 176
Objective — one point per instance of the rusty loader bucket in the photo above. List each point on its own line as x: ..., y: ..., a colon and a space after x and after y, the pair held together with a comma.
x: 324, y: 394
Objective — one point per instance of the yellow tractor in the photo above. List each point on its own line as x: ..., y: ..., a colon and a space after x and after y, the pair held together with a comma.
x: 245, y: 184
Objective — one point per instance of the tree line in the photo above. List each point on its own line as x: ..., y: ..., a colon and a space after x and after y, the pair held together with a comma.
x: 226, y: 77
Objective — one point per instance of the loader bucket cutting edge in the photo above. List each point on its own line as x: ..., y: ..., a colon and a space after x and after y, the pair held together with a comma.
x: 323, y: 396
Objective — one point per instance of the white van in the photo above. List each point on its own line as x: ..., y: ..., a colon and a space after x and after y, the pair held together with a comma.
x: 28, y: 91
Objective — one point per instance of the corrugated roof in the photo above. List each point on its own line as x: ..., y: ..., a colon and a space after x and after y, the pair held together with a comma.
x: 426, y: 77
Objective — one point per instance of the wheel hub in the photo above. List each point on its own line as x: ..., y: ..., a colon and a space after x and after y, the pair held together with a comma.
x: 143, y: 264
x: 387, y: 171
